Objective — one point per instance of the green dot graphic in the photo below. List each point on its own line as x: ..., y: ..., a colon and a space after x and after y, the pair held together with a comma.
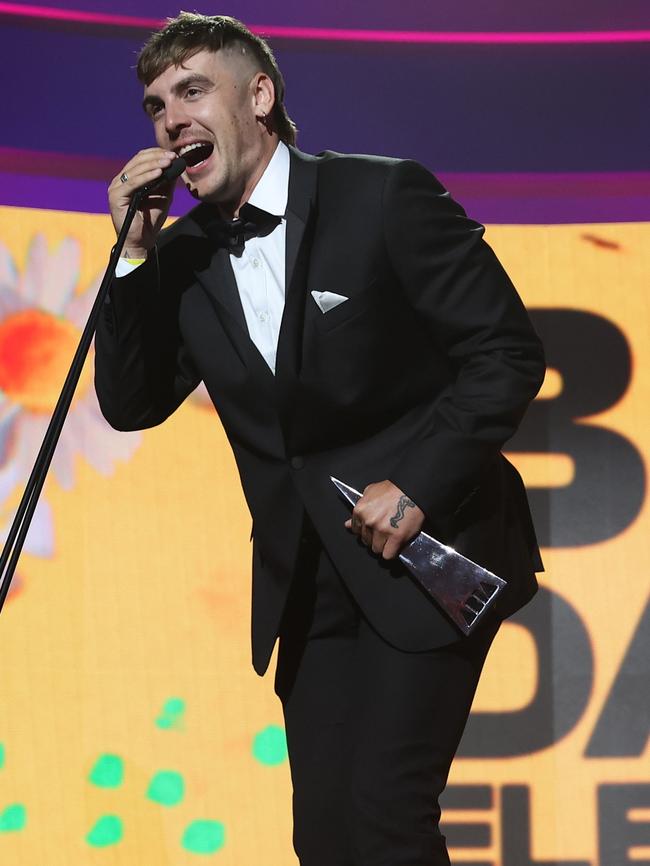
x: 2, y: 755
x: 172, y: 714
x: 108, y: 772
x: 204, y: 837
x: 107, y: 831
x: 13, y: 818
x: 270, y: 746
x: 167, y: 788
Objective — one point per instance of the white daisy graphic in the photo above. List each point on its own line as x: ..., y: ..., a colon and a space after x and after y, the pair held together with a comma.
x: 40, y: 538
x: 41, y: 319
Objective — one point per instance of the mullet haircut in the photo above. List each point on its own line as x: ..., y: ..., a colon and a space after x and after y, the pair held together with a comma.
x: 189, y: 33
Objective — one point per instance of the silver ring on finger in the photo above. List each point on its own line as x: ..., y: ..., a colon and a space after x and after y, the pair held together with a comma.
x: 124, y: 177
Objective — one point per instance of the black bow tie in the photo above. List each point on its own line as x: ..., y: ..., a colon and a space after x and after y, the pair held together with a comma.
x: 232, y: 234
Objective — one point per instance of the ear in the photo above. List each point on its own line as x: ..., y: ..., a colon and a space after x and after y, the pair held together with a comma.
x: 264, y: 95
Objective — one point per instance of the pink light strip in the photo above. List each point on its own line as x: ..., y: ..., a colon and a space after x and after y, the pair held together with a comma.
x: 328, y: 34
x: 78, y: 16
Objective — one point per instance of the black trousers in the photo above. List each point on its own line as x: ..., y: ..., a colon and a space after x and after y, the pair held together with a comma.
x: 371, y: 730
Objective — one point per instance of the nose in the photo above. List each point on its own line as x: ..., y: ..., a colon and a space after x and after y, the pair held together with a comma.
x: 176, y: 119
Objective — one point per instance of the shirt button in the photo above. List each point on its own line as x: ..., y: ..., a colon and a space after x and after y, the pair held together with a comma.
x: 256, y: 263
x: 297, y: 462
x: 263, y: 317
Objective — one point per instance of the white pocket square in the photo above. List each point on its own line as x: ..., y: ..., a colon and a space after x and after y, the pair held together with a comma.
x: 327, y: 300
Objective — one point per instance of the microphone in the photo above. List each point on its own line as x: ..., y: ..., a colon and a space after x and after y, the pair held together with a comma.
x: 172, y: 171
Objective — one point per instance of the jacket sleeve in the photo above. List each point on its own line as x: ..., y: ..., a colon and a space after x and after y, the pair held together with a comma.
x: 142, y: 370
x: 455, y: 283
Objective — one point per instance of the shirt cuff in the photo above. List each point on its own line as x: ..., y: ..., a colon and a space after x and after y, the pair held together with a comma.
x: 126, y: 266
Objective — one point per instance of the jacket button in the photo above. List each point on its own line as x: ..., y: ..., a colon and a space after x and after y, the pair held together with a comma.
x: 297, y: 462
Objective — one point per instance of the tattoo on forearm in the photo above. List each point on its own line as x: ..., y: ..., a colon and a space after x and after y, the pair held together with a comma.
x: 402, y: 505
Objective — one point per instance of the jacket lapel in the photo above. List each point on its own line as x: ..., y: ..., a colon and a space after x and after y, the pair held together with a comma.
x: 218, y: 281
x: 301, y: 200
x: 301, y: 217
x: 217, y: 277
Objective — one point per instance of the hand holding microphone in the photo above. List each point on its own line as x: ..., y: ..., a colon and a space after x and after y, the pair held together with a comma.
x: 149, y: 170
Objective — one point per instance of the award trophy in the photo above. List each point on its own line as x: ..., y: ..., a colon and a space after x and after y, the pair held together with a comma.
x: 464, y: 590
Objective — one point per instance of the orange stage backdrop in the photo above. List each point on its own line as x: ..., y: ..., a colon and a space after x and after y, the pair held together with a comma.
x: 133, y: 731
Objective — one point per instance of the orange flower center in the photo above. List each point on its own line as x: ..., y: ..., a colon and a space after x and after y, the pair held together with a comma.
x: 36, y: 350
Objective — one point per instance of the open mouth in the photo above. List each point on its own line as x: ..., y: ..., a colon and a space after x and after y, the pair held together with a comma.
x: 197, y: 153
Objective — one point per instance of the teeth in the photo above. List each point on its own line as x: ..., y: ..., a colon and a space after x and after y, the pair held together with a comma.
x: 189, y: 147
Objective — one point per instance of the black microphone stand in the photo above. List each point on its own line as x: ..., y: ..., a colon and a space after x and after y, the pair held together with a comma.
x: 22, y: 520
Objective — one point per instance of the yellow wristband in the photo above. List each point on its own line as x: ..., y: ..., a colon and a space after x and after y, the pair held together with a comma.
x: 135, y: 261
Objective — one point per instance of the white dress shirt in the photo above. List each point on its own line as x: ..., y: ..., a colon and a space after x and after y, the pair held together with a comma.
x: 260, y: 270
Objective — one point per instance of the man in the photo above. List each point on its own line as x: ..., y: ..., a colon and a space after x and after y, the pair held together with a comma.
x: 347, y: 319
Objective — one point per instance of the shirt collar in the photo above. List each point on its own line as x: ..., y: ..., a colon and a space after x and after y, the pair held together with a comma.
x: 272, y: 190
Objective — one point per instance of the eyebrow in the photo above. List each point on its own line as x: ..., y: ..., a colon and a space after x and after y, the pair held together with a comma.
x: 179, y: 87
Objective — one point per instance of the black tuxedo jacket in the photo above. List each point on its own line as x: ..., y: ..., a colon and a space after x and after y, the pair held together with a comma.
x: 419, y: 377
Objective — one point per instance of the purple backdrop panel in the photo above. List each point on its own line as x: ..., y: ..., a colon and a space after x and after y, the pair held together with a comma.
x: 77, y: 183
x: 457, y: 108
